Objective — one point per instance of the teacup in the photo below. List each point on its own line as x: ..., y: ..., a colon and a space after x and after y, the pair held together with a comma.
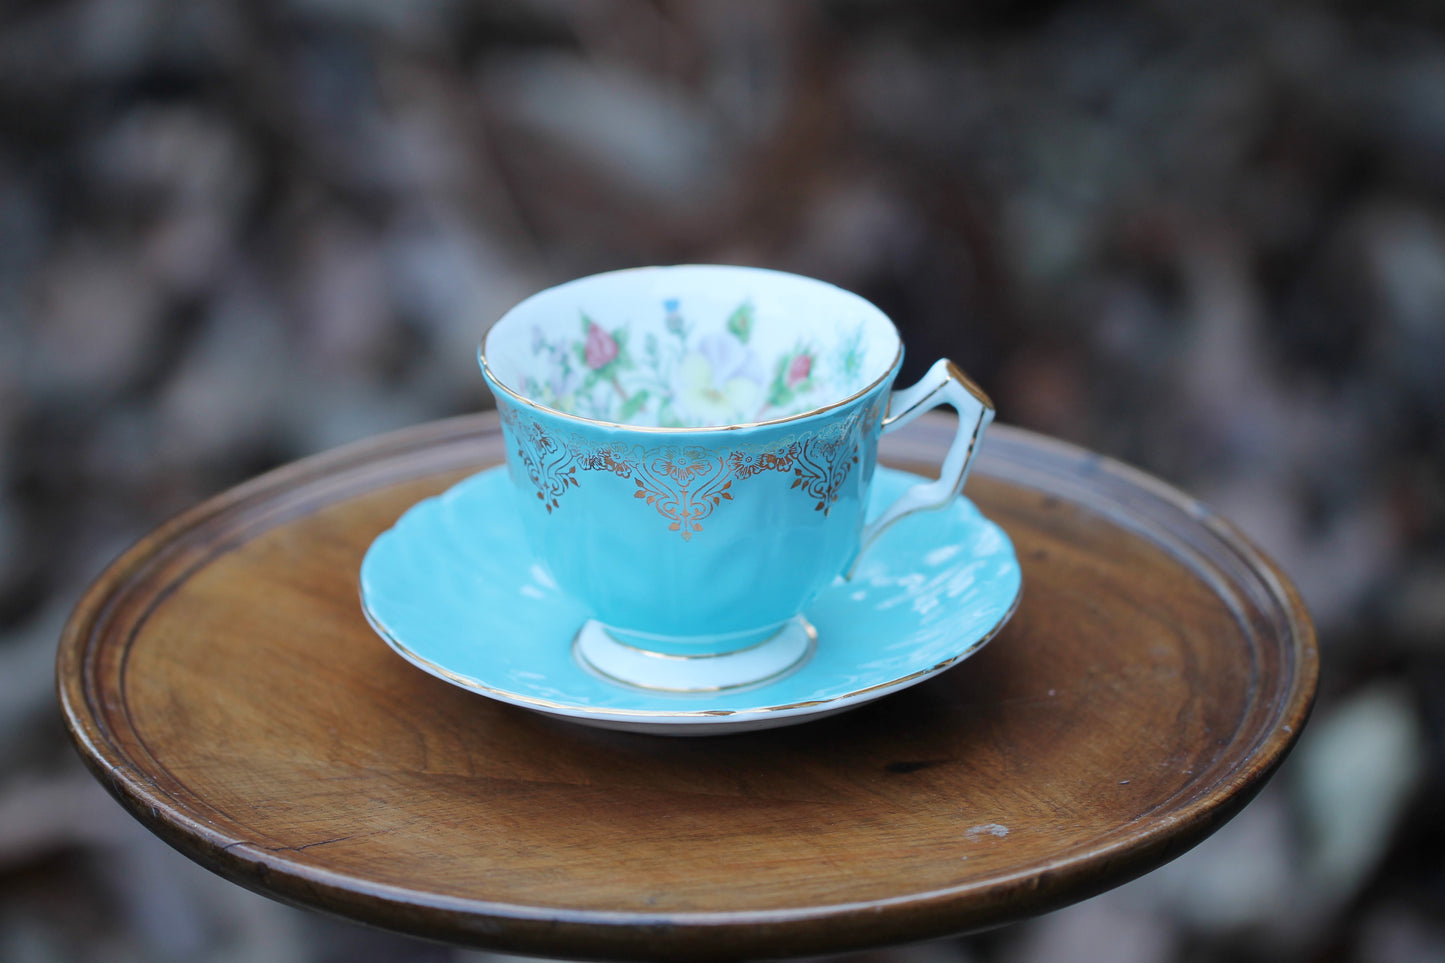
x: 692, y: 449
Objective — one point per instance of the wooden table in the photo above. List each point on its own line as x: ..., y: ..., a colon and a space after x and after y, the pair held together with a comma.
x: 220, y: 680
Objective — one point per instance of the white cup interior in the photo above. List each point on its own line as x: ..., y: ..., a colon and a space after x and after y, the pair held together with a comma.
x: 690, y: 346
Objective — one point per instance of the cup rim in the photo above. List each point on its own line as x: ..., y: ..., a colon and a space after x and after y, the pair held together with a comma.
x: 495, y: 382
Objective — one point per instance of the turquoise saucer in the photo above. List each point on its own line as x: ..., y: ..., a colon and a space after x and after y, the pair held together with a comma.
x: 453, y: 588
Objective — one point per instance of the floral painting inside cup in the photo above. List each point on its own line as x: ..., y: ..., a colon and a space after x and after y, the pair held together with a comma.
x: 688, y: 372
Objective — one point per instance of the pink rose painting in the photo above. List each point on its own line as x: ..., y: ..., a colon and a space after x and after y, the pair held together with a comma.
x: 601, y: 347
x: 799, y: 370
x: 792, y: 376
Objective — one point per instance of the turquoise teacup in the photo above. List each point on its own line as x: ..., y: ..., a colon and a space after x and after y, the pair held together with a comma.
x: 692, y: 449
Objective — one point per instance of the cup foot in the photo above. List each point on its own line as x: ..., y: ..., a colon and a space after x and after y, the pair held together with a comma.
x: 776, y: 655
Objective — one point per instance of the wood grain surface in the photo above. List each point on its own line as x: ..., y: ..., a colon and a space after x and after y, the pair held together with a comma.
x: 220, y: 680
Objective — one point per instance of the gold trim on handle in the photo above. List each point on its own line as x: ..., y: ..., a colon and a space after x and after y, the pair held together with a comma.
x: 969, y: 385
x: 955, y: 373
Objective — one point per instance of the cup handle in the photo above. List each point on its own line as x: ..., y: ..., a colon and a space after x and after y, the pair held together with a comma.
x: 944, y: 384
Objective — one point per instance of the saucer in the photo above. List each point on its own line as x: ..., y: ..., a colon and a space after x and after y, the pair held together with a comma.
x: 453, y: 588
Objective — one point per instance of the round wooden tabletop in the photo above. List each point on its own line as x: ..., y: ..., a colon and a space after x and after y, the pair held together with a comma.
x: 221, y: 681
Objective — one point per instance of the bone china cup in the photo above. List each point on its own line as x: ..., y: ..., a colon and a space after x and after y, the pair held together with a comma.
x: 692, y: 448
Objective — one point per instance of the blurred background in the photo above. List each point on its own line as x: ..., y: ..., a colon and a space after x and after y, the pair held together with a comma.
x: 1208, y: 239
